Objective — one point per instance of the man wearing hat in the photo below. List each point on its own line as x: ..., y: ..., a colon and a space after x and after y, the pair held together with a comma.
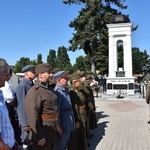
x: 42, y: 112
x: 23, y: 87
x: 89, y: 105
x: 88, y: 84
x: 65, y: 109
x: 78, y: 139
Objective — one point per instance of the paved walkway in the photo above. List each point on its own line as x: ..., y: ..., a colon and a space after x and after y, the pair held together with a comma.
x: 122, y: 125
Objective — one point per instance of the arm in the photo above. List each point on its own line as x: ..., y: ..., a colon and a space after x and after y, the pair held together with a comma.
x: 74, y: 97
x: 20, y: 95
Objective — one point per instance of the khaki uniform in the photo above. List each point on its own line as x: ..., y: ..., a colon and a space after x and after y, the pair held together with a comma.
x: 148, y: 92
x: 92, y: 118
x: 42, y: 115
x: 89, y: 107
x: 78, y: 139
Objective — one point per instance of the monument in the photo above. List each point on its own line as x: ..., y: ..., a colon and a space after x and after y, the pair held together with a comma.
x: 120, y: 79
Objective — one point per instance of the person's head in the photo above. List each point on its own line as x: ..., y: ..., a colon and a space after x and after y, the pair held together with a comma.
x: 53, y: 72
x: 43, y: 72
x: 82, y: 76
x: 29, y: 72
x: 9, y: 74
x: 75, y: 80
x: 89, y: 78
x: 4, y: 68
x: 61, y: 78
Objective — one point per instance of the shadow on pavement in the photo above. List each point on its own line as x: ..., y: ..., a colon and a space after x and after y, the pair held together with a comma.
x: 100, y: 115
x: 99, y: 132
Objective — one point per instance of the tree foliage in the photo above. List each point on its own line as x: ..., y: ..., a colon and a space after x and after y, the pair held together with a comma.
x: 140, y: 61
x: 22, y: 63
x: 91, y: 33
x: 51, y: 59
x: 80, y: 64
x: 63, y: 59
x: 39, y: 59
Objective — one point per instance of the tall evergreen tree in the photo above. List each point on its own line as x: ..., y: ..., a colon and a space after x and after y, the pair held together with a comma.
x: 63, y: 59
x: 39, y: 59
x: 79, y: 65
x: 51, y: 59
x: 91, y: 33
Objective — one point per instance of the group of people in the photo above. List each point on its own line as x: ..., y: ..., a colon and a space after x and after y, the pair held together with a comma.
x: 55, y: 110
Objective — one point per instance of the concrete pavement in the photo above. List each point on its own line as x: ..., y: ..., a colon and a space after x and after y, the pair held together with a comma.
x: 122, y: 125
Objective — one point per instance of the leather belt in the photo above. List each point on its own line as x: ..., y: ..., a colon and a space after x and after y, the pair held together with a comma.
x: 50, y: 116
x: 81, y: 106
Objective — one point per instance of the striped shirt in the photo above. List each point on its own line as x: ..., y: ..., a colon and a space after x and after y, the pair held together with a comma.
x: 6, y: 129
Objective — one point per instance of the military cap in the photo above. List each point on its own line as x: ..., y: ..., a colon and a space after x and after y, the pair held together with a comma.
x: 60, y: 74
x: 42, y: 68
x: 28, y: 68
x: 88, y: 77
x: 82, y: 73
x: 56, y: 70
x: 75, y: 76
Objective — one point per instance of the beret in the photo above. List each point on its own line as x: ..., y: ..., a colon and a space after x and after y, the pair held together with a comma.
x: 60, y: 74
x: 28, y: 68
x: 42, y: 68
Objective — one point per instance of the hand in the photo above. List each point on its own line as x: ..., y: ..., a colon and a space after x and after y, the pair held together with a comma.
x: 26, y: 128
x: 41, y: 142
x: 77, y: 125
x: 60, y: 130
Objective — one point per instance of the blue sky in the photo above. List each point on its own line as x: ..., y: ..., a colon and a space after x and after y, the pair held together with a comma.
x: 32, y: 27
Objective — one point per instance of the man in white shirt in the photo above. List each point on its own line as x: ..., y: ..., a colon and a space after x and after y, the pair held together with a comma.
x: 7, y: 139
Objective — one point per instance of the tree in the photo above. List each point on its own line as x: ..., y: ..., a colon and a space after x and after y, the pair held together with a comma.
x: 63, y: 59
x: 91, y: 33
x: 140, y: 61
x: 39, y: 59
x: 79, y: 65
x: 51, y: 59
x: 21, y: 63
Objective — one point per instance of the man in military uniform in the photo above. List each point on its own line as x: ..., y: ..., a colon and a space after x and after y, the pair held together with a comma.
x: 78, y: 139
x: 21, y: 91
x: 65, y: 109
x: 89, y: 105
x: 42, y: 112
x: 92, y: 118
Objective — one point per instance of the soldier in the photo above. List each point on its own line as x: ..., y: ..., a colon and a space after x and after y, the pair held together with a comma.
x: 92, y: 118
x: 146, y: 81
x: 78, y: 139
x: 42, y: 112
x: 89, y: 105
x: 21, y: 91
x: 65, y: 109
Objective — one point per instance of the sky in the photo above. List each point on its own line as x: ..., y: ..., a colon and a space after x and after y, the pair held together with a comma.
x: 32, y: 27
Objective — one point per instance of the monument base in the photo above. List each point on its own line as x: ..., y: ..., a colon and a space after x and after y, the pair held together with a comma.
x: 120, y: 85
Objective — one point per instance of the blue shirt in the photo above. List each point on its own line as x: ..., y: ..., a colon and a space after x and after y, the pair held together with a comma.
x: 65, y: 108
x: 6, y: 129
